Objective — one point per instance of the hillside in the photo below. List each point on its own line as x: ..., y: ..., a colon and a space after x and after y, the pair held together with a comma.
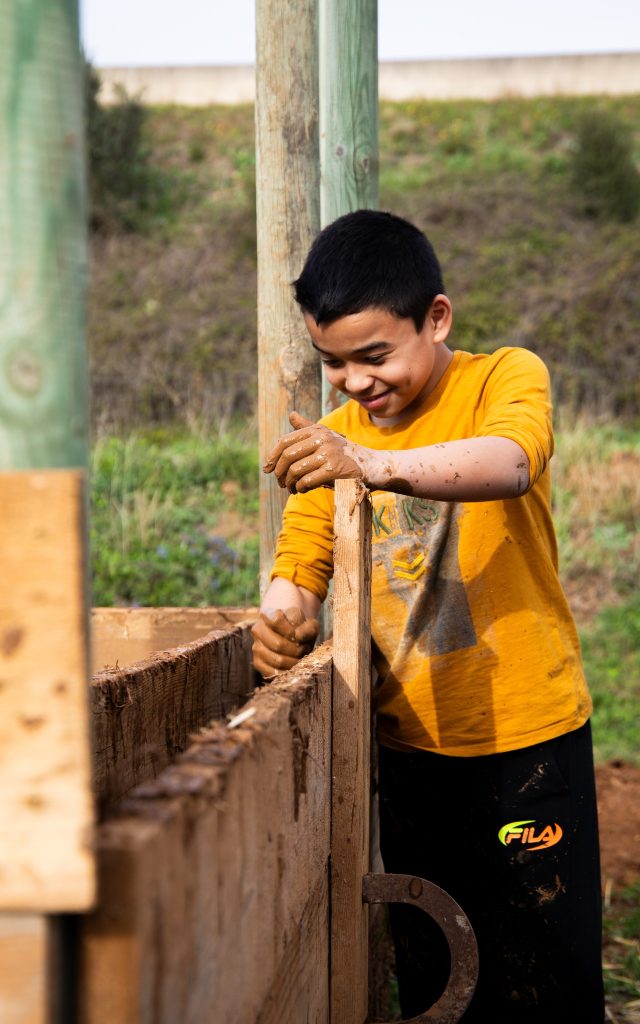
x: 172, y: 304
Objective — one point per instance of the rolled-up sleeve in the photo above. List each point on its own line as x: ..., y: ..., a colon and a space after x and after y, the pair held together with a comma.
x: 516, y: 403
x: 304, y: 552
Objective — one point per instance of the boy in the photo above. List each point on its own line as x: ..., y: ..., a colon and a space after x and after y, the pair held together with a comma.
x: 485, y: 765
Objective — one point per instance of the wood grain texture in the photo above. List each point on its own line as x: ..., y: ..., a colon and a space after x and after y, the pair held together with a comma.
x: 43, y: 361
x: 348, y: 103
x: 288, y: 219
x: 213, y: 878
x: 143, y: 715
x: 122, y: 636
x: 46, y: 801
x: 350, y: 752
x: 24, y: 951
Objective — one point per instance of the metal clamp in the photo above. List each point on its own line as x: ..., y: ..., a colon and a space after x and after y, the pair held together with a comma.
x: 449, y: 916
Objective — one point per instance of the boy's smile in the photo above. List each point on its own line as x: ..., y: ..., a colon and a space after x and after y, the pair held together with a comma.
x: 382, y: 361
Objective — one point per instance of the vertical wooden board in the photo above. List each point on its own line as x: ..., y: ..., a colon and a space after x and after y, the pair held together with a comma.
x: 288, y: 219
x: 143, y: 715
x: 350, y: 752
x: 46, y: 804
x: 23, y: 969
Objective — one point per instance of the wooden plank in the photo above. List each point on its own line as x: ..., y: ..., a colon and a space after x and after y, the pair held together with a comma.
x: 143, y: 715
x: 24, y: 951
x: 46, y: 802
x: 214, y: 878
x: 121, y: 636
x: 348, y: 102
x: 287, y: 220
x: 350, y: 752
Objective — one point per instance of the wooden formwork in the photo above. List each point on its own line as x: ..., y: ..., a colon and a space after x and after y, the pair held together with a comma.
x: 230, y: 849
x: 213, y: 878
x: 230, y: 874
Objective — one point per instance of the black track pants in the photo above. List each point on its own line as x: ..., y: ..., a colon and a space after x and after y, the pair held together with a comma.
x: 531, y: 894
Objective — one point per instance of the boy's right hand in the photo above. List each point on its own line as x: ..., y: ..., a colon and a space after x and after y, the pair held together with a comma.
x: 280, y: 639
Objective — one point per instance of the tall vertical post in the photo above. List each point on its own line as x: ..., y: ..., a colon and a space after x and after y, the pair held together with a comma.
x: 46, y: 807
x: 348, y: 58
x: 288, y: 216
x: 350, y: 752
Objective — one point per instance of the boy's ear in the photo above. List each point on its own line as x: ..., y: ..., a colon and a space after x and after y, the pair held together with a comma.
x: 440, y: 317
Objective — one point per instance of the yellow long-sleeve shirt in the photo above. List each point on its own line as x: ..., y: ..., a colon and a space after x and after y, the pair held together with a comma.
x: 474, y: 642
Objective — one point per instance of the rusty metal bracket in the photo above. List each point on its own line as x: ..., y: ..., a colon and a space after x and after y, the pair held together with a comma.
x: 438, y: 904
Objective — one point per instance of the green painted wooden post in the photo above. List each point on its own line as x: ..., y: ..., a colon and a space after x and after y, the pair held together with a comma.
x: 43, y: 363
x: 348, y: 56
x: 46, y: 801
x: 288, y: 217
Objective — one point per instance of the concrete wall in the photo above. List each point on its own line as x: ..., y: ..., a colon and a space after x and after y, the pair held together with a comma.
x: 610, y: 74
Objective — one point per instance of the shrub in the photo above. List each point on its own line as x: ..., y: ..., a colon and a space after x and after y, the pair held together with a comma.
x: 603, y: 170
x: 124, y: 186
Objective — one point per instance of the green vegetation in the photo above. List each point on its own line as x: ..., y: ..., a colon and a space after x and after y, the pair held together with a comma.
x: 174, y: 521
x: 172, y: 305
x: 622, y: 950
x: 128, y: 189
x: 597, y: 516
x: 603, y: 170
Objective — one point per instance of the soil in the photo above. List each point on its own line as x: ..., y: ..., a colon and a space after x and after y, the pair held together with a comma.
x: 619, y: 810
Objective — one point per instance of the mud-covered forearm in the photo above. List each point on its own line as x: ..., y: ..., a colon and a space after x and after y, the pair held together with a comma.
x: 473, y: 469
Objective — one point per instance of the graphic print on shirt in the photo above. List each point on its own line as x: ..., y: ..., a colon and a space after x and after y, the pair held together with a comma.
x: 415, y: 542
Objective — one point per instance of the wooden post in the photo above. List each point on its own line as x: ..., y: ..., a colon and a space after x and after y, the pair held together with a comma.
x: 348, y: 57
x: 351, y: 717
x: 46, y: 805
x: 288, y: 220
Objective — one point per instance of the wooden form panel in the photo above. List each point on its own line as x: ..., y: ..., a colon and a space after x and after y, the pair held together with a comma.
x: 46, y: 803
x: 143, y: 715
x: 122, y: 636
x: 213, y: 882
x: 24, y: 948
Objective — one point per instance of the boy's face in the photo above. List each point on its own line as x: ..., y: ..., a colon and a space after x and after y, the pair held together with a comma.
x: 382, y: 361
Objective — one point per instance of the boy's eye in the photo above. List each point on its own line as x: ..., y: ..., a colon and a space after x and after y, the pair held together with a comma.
x: 374, y: 360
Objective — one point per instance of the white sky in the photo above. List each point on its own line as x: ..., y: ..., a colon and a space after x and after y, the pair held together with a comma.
x: 139, y: 32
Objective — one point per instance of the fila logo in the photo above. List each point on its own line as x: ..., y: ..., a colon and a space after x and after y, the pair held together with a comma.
x: 514, y: 832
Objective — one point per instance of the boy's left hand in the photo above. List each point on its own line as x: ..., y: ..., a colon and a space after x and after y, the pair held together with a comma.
x: 313, y: 456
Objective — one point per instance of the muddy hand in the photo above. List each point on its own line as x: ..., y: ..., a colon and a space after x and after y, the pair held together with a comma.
x: 313, y: 456
x: 280, y: 639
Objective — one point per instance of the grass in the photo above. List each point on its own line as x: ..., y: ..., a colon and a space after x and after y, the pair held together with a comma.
x: 622, y: 953
x: 597, y: 516
x: 174, y: 521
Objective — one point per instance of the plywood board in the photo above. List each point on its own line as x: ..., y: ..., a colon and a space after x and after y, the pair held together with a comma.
x: 122, y: 636
x: 143, y: 715
x: 213, y: 880
x: 23, y: 969
x: 46, y: 804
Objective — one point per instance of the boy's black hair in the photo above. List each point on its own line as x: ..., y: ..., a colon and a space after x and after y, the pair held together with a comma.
x: 365, y: 260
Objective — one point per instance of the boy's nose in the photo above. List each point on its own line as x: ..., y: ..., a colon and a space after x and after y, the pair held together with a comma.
x: 357, y: 381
